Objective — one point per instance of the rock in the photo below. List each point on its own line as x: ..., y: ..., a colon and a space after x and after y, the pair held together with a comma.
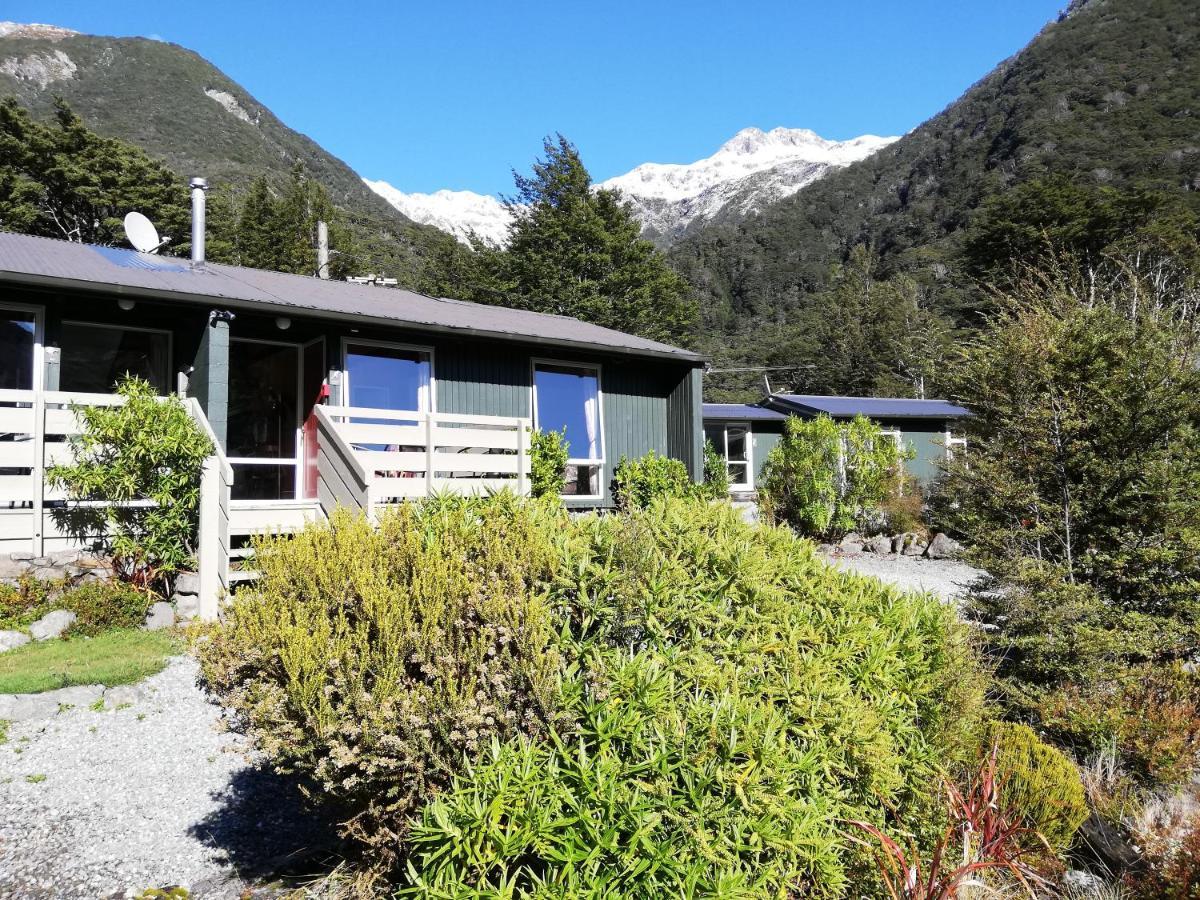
x: 11, y: 569
x: 851, y: 543
x: 187, y: 607
x: 1108, y: 844
x: 46, y: 573
x: 942, y: 547
x: 30, y: 707
x: 898, y: 543
x: 52, y: 625
x: 81, y: 695
x: 124, y: 695
x: 22, y: 556
x: 880, y: 544
x: 187, y: 583
x: 161, y: 615
x: 915, y: 547
x: 27, y: 707
x: 10, y: 640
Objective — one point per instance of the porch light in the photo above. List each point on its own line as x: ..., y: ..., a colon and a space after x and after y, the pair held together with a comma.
x: 283, y: 323
x: 126, y: 304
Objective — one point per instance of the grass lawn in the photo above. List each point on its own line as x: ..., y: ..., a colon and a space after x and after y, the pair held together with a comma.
x: 116, y: 657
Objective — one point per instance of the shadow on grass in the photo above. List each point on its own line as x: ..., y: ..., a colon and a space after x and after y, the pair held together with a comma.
x: 266, y: 831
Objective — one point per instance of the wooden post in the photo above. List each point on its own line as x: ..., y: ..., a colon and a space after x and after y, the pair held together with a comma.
x: 38, y: 543
x: 522, y: 459
x: 429, y: 424
x: 210, y: 554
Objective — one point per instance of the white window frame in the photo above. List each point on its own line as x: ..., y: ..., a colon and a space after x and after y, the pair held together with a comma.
x: 748, y: 484
x: 39, y: 340
x: 599, y: 463
x: 427, y: 397
x: 297, y: 458
x: 112, y: 327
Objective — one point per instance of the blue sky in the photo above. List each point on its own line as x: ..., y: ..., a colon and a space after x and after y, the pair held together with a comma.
x: 456, y: 94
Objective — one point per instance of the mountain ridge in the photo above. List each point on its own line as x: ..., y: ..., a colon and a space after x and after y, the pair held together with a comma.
x: 179, y: 107
x: 748, y: 172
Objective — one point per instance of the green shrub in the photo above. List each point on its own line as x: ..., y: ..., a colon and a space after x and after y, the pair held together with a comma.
x: 825, y: 478
x: 375, y: 661
x: 733, y: 699
x: 1040, y: 782
x: 103, y: 606
x: 1149, y: 714
x: 25, y: 602
x: 638, y: 482
x: 99, y: 606
x: 145, y: 449
x: 547, y: 462
x: 716, y: 473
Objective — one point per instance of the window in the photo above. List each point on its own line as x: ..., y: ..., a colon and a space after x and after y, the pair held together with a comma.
x: 734, y: 442
x: 568, y: 397
x: 95, y: 357
x: 385, y: 376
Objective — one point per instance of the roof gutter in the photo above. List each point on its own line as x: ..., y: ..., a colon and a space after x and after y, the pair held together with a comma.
x: 92, y: 287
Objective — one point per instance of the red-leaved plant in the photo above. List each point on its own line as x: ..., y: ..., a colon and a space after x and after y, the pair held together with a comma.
x: 991, y: 837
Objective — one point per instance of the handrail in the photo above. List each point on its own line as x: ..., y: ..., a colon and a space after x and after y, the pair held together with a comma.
x: 345, y: 451
x: 197, y: 413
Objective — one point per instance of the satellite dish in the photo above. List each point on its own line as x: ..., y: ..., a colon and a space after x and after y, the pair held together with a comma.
x: 142, y: 234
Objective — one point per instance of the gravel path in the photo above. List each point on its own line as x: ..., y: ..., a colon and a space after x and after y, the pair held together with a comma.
x: 947, y: 578
x: 100, y: 803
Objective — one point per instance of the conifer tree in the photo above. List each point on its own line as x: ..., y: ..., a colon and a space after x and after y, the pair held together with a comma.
x: 63, y: 180
x: 576, y: 251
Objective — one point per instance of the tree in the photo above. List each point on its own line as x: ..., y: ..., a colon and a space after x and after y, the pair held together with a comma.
x: 1081, y: 487
x: 278, y: 231
x: 576, y: 251
x: 63, y: 180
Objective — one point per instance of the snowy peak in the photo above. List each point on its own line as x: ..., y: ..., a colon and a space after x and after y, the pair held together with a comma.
x: 460, y: 213
x: 751, y: 170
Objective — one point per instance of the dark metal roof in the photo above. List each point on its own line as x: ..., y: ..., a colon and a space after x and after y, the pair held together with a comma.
x: 872, y: 407
x: 741, y: 411
x: 45, y: 261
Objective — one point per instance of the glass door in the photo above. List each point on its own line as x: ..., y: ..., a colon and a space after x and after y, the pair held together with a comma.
x: 20, y: 343
x: 263, y: 431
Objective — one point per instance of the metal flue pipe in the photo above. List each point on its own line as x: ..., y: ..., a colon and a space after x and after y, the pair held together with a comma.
x: 322, y: 250
x: 199, y: 186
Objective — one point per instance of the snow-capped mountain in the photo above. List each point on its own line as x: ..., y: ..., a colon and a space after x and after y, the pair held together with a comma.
x: 458, y: 212
x: 751, y: 170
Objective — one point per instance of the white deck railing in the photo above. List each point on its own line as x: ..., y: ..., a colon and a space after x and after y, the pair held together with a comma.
x: 369, y: 459
x: 36, y: 428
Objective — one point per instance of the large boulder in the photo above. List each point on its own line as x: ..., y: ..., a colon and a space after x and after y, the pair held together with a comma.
x: 10, y: 640
x: 881, y: 544
x: 187, y: 583
x: 851, y: 543
x: 914, y: 546
x: 52, y: 625
x: 1108, y: 844
x: 160, y: 616
x: 942, y: 547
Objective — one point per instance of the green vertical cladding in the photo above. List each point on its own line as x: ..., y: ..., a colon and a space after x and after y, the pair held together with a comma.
x: 478, y: 381
x: 766, y: 437
x: 684, y: 421
x: 209, y: 381
x: 636, y: 398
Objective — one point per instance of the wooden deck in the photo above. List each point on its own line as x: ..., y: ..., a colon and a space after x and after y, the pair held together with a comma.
x: 365, y: 460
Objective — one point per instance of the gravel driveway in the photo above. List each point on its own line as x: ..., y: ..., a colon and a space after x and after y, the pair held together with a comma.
x: 98, y: 803
x: 947, y: 578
